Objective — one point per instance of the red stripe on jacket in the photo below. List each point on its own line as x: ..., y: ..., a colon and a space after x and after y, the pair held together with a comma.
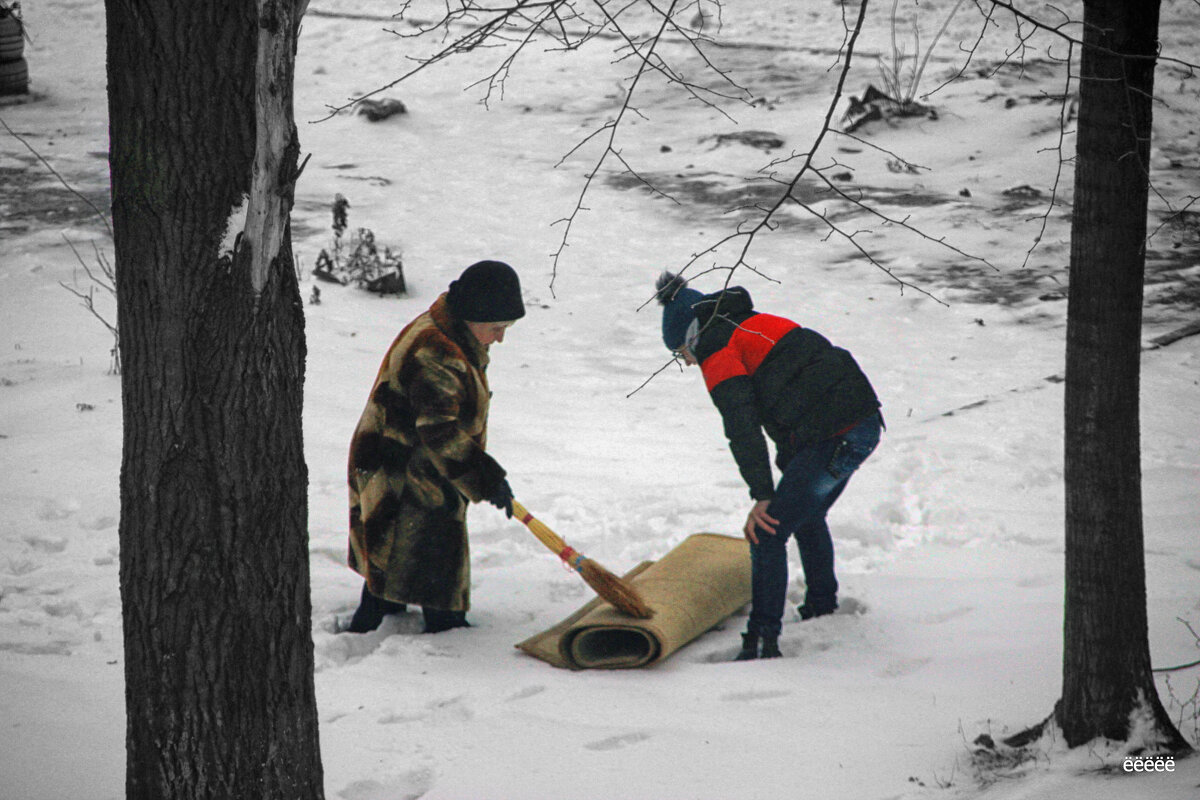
x: 750, y: 343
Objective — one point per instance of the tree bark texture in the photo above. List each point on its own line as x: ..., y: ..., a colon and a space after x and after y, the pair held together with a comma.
x: 1106, y: 662
x: 214, y: 549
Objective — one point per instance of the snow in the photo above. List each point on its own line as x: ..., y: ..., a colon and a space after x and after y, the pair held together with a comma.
x: 950, y: 541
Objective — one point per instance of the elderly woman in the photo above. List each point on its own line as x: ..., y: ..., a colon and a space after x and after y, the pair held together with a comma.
x: 418, y: 455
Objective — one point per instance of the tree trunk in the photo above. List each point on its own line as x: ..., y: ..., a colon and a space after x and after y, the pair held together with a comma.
x: 214, y: 551
x: 1106, y: 654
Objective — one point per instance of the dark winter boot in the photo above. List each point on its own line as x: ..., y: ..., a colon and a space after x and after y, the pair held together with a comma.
x: 371, y: 611
x: 770, y: 647
x: 364, y: 620
x: 749, y: 647
x: 808, y: 612
x: 438, y: 620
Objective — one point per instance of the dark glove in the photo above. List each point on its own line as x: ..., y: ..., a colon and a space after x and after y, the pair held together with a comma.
x: 501, y: 497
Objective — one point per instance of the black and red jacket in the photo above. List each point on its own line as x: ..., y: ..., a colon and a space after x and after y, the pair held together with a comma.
x: 766, y: 373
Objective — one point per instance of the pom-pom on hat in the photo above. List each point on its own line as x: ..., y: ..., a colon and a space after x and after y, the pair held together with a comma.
x: 487, y: 291
x: 677, y: 299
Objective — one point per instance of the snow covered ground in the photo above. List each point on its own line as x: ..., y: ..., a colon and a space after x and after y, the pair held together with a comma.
x: 949, y: 540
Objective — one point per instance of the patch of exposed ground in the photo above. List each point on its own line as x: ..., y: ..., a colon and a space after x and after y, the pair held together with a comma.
x: 1172, y: 256
x: 725, y: 197
x: 31, y: 198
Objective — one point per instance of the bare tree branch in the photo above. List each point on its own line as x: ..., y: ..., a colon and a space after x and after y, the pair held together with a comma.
x: 748, y: 235
x: 900, y: 223
x: 1064, y: 118
x: 60, y: 178
x: 109, y: 284
x: 673, y: 362
x: 569, y: 24
x: 1176, y: 214
x: 495, y: 26
x: 612, y: 127
x: 1034, y: 22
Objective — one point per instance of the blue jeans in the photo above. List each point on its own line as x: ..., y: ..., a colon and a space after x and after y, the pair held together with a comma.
x: 811, y: 483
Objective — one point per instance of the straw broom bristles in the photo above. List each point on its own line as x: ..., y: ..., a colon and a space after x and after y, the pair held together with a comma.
x: 613, y: 589
x: 619, y: 593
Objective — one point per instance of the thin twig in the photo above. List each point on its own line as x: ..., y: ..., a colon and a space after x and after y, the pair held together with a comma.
x: 1195, y: 636
x: 568, y: 222
x: 89, y: 301
x: 60, y: 178
x: 767, y: 222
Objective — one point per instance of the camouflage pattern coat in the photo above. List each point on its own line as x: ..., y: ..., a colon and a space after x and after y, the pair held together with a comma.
x: 416, y: 459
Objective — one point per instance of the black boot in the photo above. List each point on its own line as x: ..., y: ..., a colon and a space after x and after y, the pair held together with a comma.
x: 770, y: 647
x: 749, y: 647
x: 808, y: 612
x: 371, y: 611
x: 438, y: 620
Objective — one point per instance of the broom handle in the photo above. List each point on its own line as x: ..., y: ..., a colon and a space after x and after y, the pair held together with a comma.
x: 538, y: 528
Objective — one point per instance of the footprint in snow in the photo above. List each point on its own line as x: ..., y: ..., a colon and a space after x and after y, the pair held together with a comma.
x: 346, y: 648
x: 59, y: 647
x: 64, y: 608
x: 617, y: 742
x: 409, y: 786
x: 449, y: 711
x: 946, y: 616
x: 335, y: 647
x: 101, y: 523
x: 527, y: 692
x: 21, y: 566
x: 904, y: 666
x: 851, y: 606
x: 47, y: 544
x: 53, y: 509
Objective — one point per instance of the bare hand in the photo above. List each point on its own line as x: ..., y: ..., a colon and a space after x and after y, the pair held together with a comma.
x: 759, y: 518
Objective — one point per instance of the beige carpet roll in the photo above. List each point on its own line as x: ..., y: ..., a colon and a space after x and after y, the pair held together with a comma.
x: 700, y: 583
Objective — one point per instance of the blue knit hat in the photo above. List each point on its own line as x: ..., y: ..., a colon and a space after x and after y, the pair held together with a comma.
x: 677, y: 300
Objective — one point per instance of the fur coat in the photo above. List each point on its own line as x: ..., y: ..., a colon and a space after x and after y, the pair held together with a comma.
x: 416, y: 459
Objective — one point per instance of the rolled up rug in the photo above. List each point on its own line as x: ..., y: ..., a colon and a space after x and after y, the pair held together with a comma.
x: 697, y: 585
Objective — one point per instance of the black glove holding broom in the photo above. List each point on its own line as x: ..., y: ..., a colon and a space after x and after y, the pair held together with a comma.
x: 501, y: 497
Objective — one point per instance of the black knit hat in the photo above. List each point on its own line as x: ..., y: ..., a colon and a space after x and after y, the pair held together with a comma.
x: 487, y: 291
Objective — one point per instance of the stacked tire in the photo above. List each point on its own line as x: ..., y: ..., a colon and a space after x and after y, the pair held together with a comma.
x: 14, y: 72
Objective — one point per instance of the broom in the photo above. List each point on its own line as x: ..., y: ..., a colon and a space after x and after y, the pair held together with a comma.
x: 615, y: 591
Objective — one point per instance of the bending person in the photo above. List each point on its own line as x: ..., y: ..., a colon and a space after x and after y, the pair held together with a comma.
x: 766, y: 374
